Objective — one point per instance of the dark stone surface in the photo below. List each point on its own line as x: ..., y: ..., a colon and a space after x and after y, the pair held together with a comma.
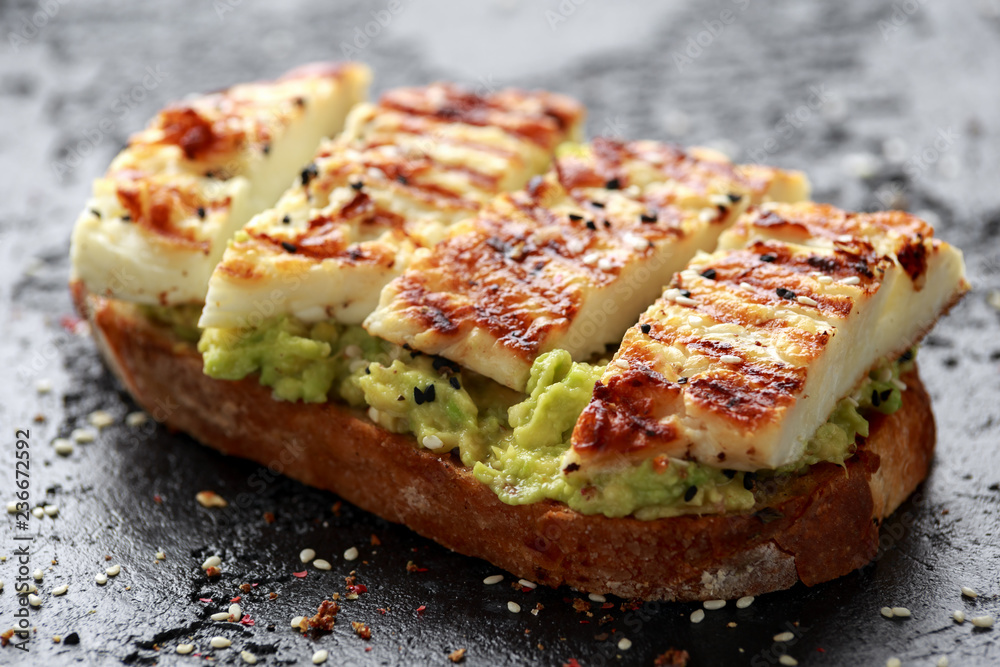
x: 889, y: 104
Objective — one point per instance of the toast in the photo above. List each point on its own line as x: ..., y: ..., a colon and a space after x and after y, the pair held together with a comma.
x: 330, y: 446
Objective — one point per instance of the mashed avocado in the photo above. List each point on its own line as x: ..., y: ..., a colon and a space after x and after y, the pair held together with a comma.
x: 513, y: 442
x: 182, y: 319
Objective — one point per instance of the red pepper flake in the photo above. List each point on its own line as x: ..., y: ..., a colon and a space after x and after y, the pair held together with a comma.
x: 672, y: 658
x: 375, y: 540
x: 361, y: 630
x: 584, y: 622
x: 268, y: 517
x: 246, y: 620
x: 213, y: 571
x: 236, y: 599
x: 5, y: 637
x: 821, y: 649
x: 300, y: 575
x: 205, y: 600
x: 571, y: 663
x: 70, y: 323
x: 421, y: 609
x: 383, y: 611
x: 246, y: 588
x: 335, y: 508
x: 358, y: 589
x: 368, y: 649
x: 157, y: 498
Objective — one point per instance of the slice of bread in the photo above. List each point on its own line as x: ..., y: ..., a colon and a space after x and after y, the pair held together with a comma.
x: 812, y: 528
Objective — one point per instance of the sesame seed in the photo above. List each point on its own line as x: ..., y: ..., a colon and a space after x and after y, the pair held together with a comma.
x: 624, y: 643
x: 694, y: 320
x: 806, y: 301
x: 605, y: 264
x: 712, y: 605
x: 100, y: 419
x: 307, y: 555
x: 746, y: 286
x: 37, y: 575
x: 51, y: 510
x: 320, y: 656
x: 597, y: 597
x: 432, y: 442
x: 220, y: 642
x: 220, y: 616
x: 248, y: 657
x: 784, y: 637
x: 235, y: 612
x: 622, y: 363
x: 289, y: 247
x: 708, y: 214
x: 513, y: 607
x: 351, y: 554
x: 898, y: 384
x: 34, y: 600
x: 43, y: 386
x: 901, y: 612
x: 850, y: 280
x: 824, y: 280
x: 352, y: 351
x: 210, y: 499
x: 969, y: 593
x: 886, y: 611
x: 527, y: 584
x: 82, y: 435
x: 744, y: 602
x: 113, y: 571
x: 686, y: 301
x: 709, y: 274
x: 493, y: 579
x: 297, y: 621
x: 211, y: 561
x: 636, y: 242
x: 788, y: 660
x: 698, y: 615
x: 373, y: 414
x: 730, y: 359
x: 893, y: 662
x: 321, y: 564
x: 63, y: 446
x: 982, y: 621
x: 184, y: 649
x: 60, y: 590
x: 101, y: 578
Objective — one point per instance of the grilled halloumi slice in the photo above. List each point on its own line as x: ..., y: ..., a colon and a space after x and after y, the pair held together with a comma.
x: 404, y: 170
x: 751, y: 347
x: 159, y: 220
x: 571, y: 262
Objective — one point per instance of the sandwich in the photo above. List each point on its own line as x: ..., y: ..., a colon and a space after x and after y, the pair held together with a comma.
x: 619, y: 365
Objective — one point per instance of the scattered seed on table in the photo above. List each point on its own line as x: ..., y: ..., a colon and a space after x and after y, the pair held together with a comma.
x: 37, y: 575
x: 82, y: 436
x: 101, y: 578
x: 248, y: 657
x: 114, y: 570
x: 320, y: 656
x: 351, y: 554
x: 60, y: 590
x: 135, y: 419
x: 307, y: 555
x: 624, y: 643
x: 100, y: 419
x: 886, y: 611
x: 744, y: 602
x: 969, y: 593
x: 297, y: 621
x: 235, y: 611
x: 63, y: 446
x: 788, y: 660
x: 321, y: 564
x: 529, y: 584
x: 493, y: 579
x: 220, y: 642
x: 712, y: 605
x: 34, y: 600
x: 513, y: 607
x: 184, y: 649
x: 982, y: 621
x: 597, y: 597
x: 698, y: 615
x: 959, y: 616
x: 893, y: 662
x: 51, y: 510
x: 901, y: 612
x: 212, y: 561
x: 220, y: 616
x: 784, y: 637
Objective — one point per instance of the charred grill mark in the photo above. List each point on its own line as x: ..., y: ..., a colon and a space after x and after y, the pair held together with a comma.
x: 913, y: 258
x: 152, y: 207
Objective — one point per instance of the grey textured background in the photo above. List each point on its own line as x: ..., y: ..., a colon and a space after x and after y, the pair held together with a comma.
x: 882, y: 104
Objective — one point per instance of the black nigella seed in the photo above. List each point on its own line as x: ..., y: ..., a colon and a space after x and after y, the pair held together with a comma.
x: 733, y: 197
x: 648, y: 217
x: 876, y: 399
x: 126, y: 218
x: 309, y: 173
x: 71, y: 639
x: 885, y: 395
x: 94, y: 212
x: 709, y: 274
x: 368, y: 371
x: 266, y: 148
x: 907, y: 356
x: 607, y: 223
x: 597, y: 204
x: 682, y: 380
x: 591, y: 226
x: 572, y: 467
x: 686, y: 293
x: 729, y: 473
x: 286, y: 220
x: 645, y: 328
x: 290, y: 247
x: 201, y: 212
x: 748, y: 480
x: 613, y: 184
x: 454, y: 383
x: 768, y: 258
x: 402, y: 179
x: 357, y: 185
x: 425, y: 396
x: 575, y: 217
x: 691, y: 492
x: 785, y: 293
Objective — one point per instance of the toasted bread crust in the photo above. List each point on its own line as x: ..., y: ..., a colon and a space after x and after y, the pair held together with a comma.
x: 820, y: 526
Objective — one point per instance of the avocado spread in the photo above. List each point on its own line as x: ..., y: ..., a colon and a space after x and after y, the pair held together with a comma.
x: 513, y: 442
